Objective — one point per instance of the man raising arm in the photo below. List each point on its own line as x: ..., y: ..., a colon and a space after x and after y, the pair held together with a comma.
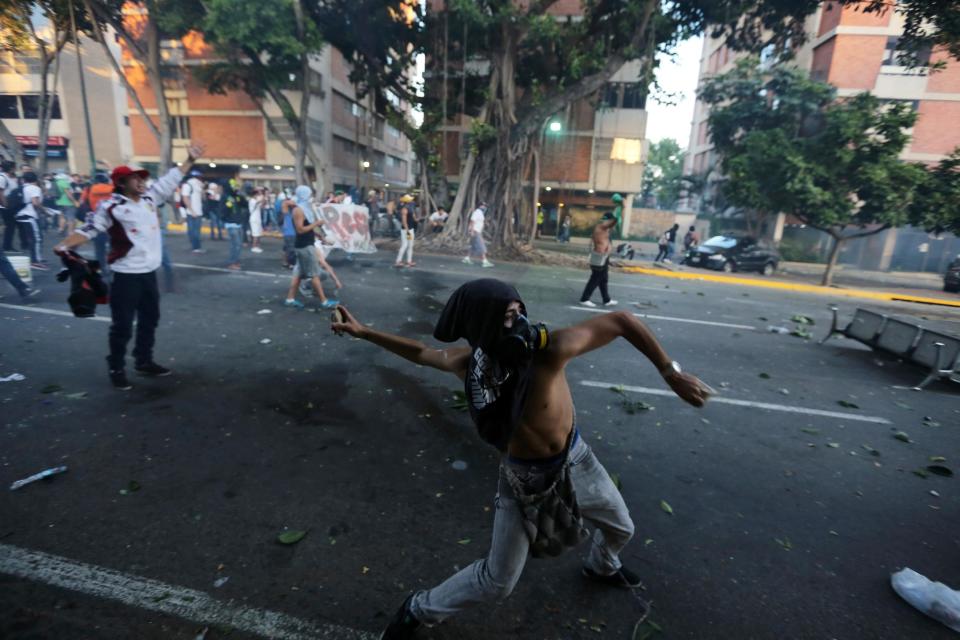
x: 520, y: 400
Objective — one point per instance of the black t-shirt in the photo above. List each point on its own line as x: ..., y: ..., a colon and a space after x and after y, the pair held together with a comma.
x: 303, y: 239
x: 672, y: 235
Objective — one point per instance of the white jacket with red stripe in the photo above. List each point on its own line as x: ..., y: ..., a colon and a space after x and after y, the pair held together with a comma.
x: 133, y: 227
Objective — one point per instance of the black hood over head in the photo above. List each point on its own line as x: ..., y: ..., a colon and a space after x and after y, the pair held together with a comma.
x: 496, y: 393
x: 475, y: 313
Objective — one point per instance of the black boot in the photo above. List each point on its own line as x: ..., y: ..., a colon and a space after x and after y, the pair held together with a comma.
x: 404, y: 625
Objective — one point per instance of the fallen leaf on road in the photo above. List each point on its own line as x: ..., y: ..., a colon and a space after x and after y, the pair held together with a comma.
x: 846, y: 404
x: 463, y: 541
x: 291, y: 537
x: 921, y: 472
x: 902, y: 437
x: 648, y: 542
x: 615, y: 478
x: 666, y: 507
x: 937, y: 459
x: 812, y: 432
x: 940, y: 470
x: 132, y: 486
x: 802, y: 319
x: 79, y: 395
x: 800, y: 332
x: 763, y: 376
x: 785, y: 543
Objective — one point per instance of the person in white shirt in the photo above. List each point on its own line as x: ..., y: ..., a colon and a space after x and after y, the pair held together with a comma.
x: 129, y: 217
x: 191, y: 195
x: 477, y: 246
x: 8, y: 182
x: 437, y: 219
x: 28, y: 219
x: 256, y: 204
x: 214, y: 193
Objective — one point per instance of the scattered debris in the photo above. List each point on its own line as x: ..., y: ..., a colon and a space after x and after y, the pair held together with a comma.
x: 79, y: 395
x: 291, y: 537
x: 631, y: 406
x: 799, y: 319
x: 666, y: 507
x: 937, y: 459
x: 464, y: 541
x: 800, y: 332
x: 902, y: 437
x: 902, y: 405
x: 785, y: 543
x: 870, y: 450
x: 264, y: 312
x: 921, y: 472
x: 934, y: 493
x: 615, y: 478
x: 459, y: 465
x: 46, y: 473
x: 935, y: 599
x: 833, y: 445
x: 811, y: 431
x: 763, y: 376
x: 459, y: 401
x: 940, y: 470
x: 131, y: 487
x: 930, y: 422
x: 14, y: 377
x: 219, y: 582
x: 266, y: 341
x: 781, y: 330
x: 846, y: 404
x: 784, y: 392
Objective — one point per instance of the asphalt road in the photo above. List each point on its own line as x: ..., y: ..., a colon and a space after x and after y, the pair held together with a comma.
x: 784, y: 523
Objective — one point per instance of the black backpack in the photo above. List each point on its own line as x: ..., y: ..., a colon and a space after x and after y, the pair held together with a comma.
x: 15, y: 200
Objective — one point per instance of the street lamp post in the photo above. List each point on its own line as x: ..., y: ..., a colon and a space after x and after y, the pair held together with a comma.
x: 366, y: 172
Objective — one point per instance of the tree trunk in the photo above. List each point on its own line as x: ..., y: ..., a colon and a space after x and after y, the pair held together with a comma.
x: 43, y: 125
x: 9, y: 141
x: 98, y: 34
x: 832, y: 261
x: 302, y: 140
x: 535, y: 196
x: 155, y: 77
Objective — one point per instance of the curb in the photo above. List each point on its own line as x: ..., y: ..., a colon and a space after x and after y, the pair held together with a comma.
x: 789, y: 286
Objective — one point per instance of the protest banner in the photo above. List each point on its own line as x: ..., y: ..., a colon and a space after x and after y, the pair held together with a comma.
x: 347, y: 227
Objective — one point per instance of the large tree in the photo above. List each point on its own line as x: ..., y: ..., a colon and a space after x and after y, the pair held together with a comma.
x: 937, y: 207
x: 663, y: 174
x: 788, y: 145
x: 518, y: 66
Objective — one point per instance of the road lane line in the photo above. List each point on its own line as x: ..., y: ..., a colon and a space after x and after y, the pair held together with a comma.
x: 745, y: 403
x: 52, y: 312
x: 181, y: 265
x: 632, y: 286
x: 189, y: 604
x: 671, y: 318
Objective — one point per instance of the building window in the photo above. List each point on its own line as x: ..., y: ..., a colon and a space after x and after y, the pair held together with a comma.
x: 315, y: 82
x: 890, y: 52
x: 180, y: 127
x: 9, y: 108
x: 31, y: 106
x: 623, y: 95
x: 392, y: 131
x: 126, y: 120
x: 377, y: 130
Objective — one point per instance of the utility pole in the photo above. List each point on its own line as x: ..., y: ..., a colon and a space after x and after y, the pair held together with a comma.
x: 83, y: 92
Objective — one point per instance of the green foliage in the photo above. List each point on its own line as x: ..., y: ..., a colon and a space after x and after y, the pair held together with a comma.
x: 787, y: 146
x: 481, y: 134
x: 663, y: 173
x: 937, y: 208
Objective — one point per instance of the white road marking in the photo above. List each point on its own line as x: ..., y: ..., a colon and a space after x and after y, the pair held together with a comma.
x: 52, y: 312
x: 671, y: 318
x: 631, y: 286
x: 222, y: 270
x: 745, y: 403
x: 189, y: 604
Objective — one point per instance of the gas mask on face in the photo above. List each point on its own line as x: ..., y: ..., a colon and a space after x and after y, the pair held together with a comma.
x: 521, y: 341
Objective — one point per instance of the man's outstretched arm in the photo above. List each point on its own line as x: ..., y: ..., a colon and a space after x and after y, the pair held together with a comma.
x: 568, y: 343
x: 453, y: 360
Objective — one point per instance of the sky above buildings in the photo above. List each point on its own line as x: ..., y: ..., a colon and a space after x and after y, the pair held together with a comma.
x: 677, y: 76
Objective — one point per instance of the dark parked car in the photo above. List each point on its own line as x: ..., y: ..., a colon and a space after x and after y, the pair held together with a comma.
x: 734, y: 253
x: 951, y: 279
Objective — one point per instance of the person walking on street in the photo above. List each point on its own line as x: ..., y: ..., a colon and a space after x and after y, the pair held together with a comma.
x: 99, y: 192
x: 519, y: 399
x: 8, y: 184
x: 690, y: 239
x: 213, y: 194
x: 233, y: 216
x: 286, y: 205
x: 600, y: 249
x: 671, y: 242
x: 191, y: 193
x: 305, y: 221
x: 136, y: 253
x: 408, y: 227
x: 28, y: 219
x: 478, y: 248
x: 256, y: 204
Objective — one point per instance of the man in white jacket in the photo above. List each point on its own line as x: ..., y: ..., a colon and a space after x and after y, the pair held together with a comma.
x: 129, y: 217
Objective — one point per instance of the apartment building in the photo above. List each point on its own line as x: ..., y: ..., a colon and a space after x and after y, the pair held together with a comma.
x: 856, y: 52
x: 356, y: 148
x: 592, y: 149
x: 67, y: 147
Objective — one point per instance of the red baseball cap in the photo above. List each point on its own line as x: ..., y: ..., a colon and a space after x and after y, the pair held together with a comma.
x: 123, y: 172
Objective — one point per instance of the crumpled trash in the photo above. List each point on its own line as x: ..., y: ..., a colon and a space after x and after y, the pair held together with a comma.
x: 264, y: 312
x: 14, y: 377
x: 219, y: 582
x: 266, y: 341
x: 46, y: 473
x: 781, y: 330
x: 935, y: 599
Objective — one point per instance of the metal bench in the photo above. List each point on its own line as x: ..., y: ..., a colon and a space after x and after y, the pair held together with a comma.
x: 936, y: 351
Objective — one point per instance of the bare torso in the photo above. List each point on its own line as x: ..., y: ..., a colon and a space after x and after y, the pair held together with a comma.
x: 601, y: 238
x: 547, y: 418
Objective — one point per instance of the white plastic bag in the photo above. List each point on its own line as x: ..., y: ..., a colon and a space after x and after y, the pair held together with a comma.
x: 935, y: 599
